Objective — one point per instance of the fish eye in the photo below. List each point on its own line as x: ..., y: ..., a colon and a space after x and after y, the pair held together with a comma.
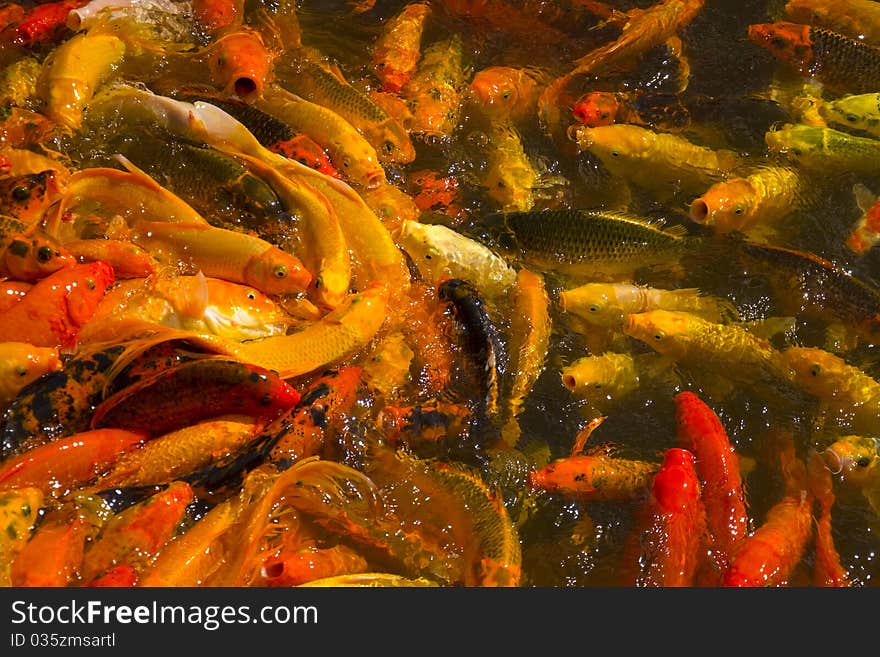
x: 604, y: 115
x: 346, y: 163
x: 252, y: 296
x: 280, y: 271
x: 318, y: 282
x: 21, y: 193
x: 778, y: 42
x: 501, y: 184
x: 21, y: 370
x: 505, y: 94
x: 815, y: 369
x: 91, y: 284
x: 738, y: 209
x: 597, y: 386
x: 615, y: 153
x: 852, y: 118
x: 863, y: 462
x: 388, y: 147
x: 221, y: 61
x: 44, y: 253
x: 659, y: 335
x: 594, y: 308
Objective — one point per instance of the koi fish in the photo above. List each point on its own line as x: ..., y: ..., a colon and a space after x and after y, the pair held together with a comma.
x: 822, y: 149
x: 507, y: 94
x: 439, y: 251
x: 530, y: 326
x: 751, y: 203
x: 595, y: 477
x: 828, y: 571
x: 768, y: 555
x: 857, y: 19
x: 434, y: 91
x: 510, y: 176
x: 855, y: 460
x: 866, y: 231
x: 55, y: 309
x: 194, y: 391
x: 63, y: 465
x: 21, y: 363
x: 227, y: 254
x: 240, y: 63
x: 44, y: 23
x: 841, y: 63
x: 672, y: 527
x: 853, y: 111
x: 397, y: 50
x: 587, y: 243
x: 701, y: 432
x: 726, y: 349
x: 191, y: 303
x: 607, y: 304
x: 662, y: 162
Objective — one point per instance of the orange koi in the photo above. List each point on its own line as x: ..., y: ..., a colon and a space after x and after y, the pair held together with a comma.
x: 26, y: 196
x: 397, y: 50
x: 643, y: 30
x: 32, y: 255
x: 591, y: 477
x: 51, y: 558
x: 768, y: 555
x: 66, y: 463
x: 53, y: 311
x: 598, y: 108
x: 218, y: 15
x: 505, y: 93
x: 241, y: 64
x: 866, y: 231
x: 424, y: 425
x: 127, y: 259
x: 673, y: 526
x: 304, y: 564
x: 700, y: 431
x: 11, y: 292
x: 136, y: 534
x: 306, y: 150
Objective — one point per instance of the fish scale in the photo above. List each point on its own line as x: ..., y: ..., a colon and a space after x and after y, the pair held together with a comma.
x: 588, y: 241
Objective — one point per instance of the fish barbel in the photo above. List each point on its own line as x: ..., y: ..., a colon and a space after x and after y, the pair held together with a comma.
x: 587, y: 242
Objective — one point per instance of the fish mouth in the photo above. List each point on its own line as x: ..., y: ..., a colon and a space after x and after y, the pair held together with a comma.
x: 833, y: 461
x: 246, y: 88
x: 699, y: 211
x: 374, y: 178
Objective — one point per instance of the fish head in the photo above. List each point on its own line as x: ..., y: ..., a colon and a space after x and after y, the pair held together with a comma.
x: 725, y: 206
x: 814, y: 369
x: 26, y: 196
x: 676, y: 486
x: 854, y: 458
x: 795, y: 141
x: 34, y: 256
x: 601, y: 377
x: 495, y: 90
x: 86, y: 285
x: 510, y: 187
x: 859, y: 111
x: 276, y: 272
x: 595, y: 303
x: 596, y: 108
x: 616, y: 145
x: 788, y: 42
x: 666, y: 331
x: 239, y: 311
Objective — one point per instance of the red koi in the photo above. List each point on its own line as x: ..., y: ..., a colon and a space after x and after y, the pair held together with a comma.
x: 700, y: 431
x: 43, y: 24
x: 67, y: 463
x: 54, y: 310
x: 673, y: 528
